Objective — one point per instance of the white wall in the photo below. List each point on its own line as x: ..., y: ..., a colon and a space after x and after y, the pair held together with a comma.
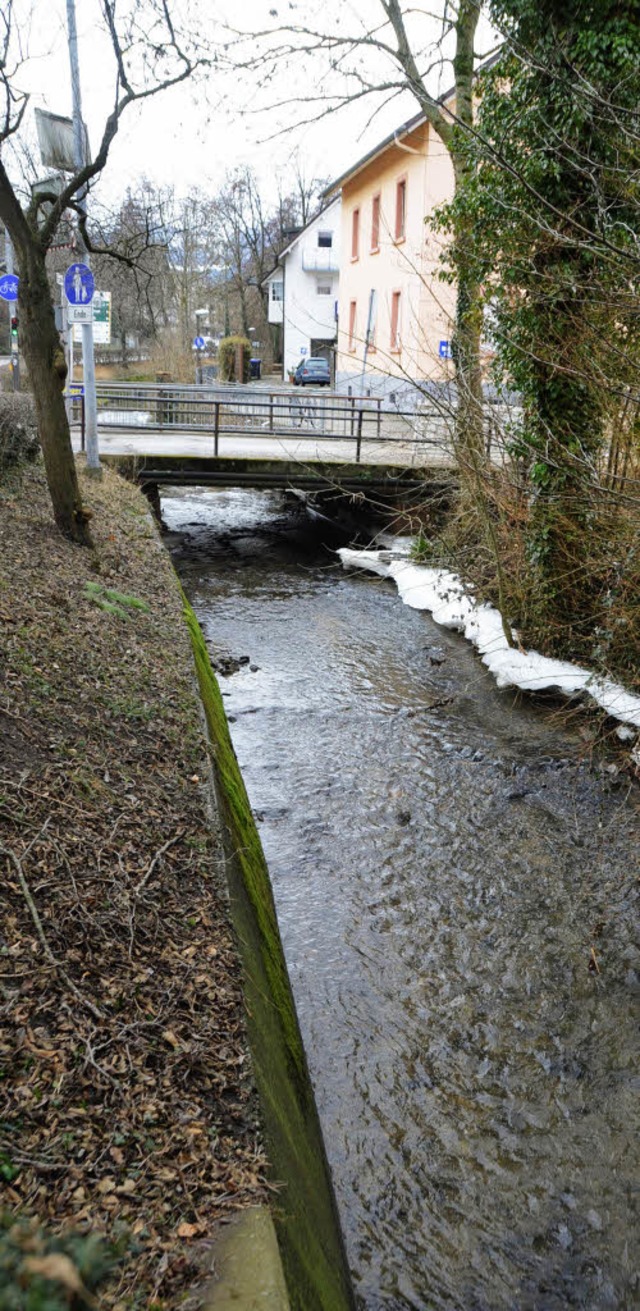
x: 309, y: 314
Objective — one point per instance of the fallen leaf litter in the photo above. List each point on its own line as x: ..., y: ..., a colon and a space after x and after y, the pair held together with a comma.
x: 128, y: 1104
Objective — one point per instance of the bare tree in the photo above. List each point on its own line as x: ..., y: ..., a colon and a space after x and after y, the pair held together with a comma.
x: 150, y: 54
x: 135, y: 266
x: 250, y: 235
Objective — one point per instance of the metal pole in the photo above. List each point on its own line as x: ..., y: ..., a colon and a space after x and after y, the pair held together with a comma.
x: 15, y: 354
x: 359, y: 439
x: 88, y: 363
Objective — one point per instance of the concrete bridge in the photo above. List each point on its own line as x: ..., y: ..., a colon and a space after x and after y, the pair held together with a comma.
x: 314, y: 441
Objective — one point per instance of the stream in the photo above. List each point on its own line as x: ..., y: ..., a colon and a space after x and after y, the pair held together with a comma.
x: 456, y: 889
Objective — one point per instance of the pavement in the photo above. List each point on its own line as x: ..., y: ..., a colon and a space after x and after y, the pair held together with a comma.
x: 146, y: 441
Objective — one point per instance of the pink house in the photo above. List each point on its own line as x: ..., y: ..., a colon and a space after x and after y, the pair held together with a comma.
x: 394, y: 314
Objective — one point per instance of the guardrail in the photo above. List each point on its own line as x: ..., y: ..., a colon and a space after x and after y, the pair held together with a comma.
x: 231, y: 410
x: 304, y: 413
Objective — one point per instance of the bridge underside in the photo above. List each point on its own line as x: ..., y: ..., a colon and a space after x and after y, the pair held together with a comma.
x: 394, y: 481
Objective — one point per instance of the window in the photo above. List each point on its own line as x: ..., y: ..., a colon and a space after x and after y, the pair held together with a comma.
x: 395, y: 320
x: 375, y: 223
x: 277, y: 291
x: 325, y: 240
x: 355, y: 234
x: 401, y: 209
x: 324, y: 288
x: 352, y: 325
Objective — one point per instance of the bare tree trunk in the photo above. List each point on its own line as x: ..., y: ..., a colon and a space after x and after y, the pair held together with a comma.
x: 47, y: 372
x: 243, y: 310
x: 467, y: 338
x: 468, y: 330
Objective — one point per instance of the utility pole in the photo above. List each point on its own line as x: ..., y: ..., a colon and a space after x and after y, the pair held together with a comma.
x: 15, y: 350
x: 88, y: 363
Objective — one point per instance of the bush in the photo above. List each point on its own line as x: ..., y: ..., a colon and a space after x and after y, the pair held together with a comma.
x: 227, y: 359
x: 46, y: 1272
x: 18, y: 430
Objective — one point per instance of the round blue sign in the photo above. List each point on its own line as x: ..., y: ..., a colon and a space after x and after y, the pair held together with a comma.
x: 9, y: 286
x: 199, y: 343
x: 79, y: 284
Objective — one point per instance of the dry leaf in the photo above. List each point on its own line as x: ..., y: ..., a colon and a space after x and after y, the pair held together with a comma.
x: 185, y: 1230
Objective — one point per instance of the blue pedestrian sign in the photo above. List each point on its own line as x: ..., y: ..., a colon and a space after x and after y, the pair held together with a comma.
x: 445, y: 352
x: 9, y: 286
x: 79, y: 284
x: 199, y: 343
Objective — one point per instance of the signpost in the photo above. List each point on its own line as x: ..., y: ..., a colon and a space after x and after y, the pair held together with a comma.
x: 83, y: 283
x: 79, y: 285
x: 98, y: 313
x: 10, y: 293
x: 102, y: 318
x: 9, y: 286
x: 198, y: 346
x: 79, y: 313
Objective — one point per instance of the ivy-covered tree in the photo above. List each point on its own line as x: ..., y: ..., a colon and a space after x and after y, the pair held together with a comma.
x: 552, y: 209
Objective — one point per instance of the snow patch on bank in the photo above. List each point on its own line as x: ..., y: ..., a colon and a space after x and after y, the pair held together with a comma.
x: 444, y: 595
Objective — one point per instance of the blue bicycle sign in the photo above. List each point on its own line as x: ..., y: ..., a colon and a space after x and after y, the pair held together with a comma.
x: 79, y: 284
x: 9, y: 286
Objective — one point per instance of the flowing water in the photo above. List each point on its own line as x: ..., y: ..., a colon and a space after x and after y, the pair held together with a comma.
x: 443, y: 861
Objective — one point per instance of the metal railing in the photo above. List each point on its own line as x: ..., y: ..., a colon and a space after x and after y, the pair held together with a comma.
x: 230, y: 410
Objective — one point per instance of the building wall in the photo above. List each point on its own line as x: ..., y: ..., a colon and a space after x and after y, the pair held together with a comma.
x: 309, y: 316
x: 406, y: 266
x: 275, y: 303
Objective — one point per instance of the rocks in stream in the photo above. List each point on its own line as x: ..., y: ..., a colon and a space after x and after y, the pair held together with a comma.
x: 225, y: 665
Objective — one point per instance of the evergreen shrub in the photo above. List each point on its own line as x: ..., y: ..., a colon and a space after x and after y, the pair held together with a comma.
x: 18, y: 430
x: 227, y: 359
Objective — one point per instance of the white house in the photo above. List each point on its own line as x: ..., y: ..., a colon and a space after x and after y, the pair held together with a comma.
x: 303, y: 290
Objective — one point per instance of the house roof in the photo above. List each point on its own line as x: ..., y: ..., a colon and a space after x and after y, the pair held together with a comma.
x: 399, y: 132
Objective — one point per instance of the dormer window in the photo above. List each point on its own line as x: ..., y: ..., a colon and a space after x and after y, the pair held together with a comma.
x: 325, y: 240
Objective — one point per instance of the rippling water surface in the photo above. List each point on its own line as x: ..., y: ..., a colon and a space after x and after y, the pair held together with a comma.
x: 443, y: 861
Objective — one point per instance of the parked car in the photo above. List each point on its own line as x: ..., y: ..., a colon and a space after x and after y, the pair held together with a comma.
x: 313, y: 372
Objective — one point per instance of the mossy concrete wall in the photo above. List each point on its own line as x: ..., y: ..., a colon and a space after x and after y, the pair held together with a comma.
x: 305, y: 1213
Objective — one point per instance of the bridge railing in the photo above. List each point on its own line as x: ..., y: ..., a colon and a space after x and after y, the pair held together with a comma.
x: 229, y: 410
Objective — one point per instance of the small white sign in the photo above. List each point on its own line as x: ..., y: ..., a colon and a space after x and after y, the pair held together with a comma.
x: 80, y: 313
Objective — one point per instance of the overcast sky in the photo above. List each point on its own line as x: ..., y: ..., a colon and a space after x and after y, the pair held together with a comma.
x: 191, y: 135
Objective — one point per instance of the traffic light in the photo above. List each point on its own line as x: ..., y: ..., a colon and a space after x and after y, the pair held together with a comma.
x: 14, y: 331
